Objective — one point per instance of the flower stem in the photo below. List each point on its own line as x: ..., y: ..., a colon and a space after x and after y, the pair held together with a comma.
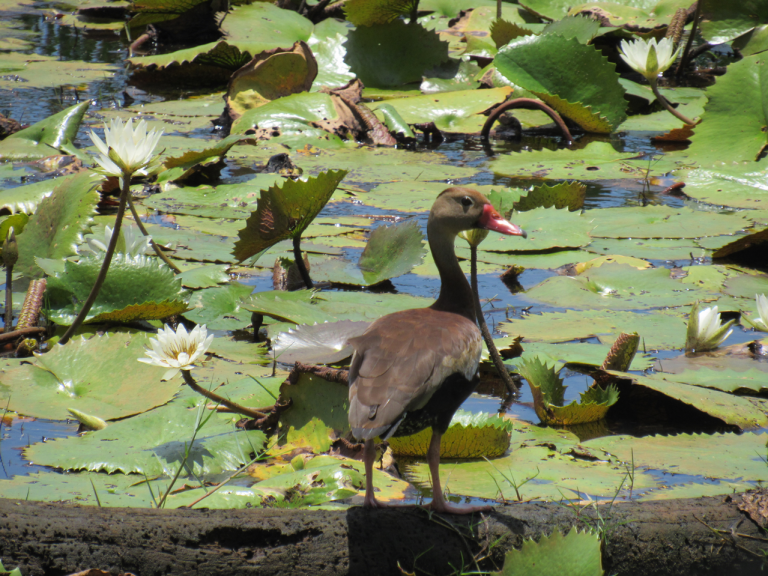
x: 497, y: 361
x: 155, y: 247
x: 300, y: 262
x: 250, y: 412
x: 124, y: 193
x: 668, y: 106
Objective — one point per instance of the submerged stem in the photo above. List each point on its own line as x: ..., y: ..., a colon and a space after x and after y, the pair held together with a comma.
x: 300, y: 262
x: 155, y: 247
x: 9, y: 298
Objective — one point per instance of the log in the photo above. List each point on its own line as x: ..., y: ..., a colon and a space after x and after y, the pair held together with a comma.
x: 702, y: 536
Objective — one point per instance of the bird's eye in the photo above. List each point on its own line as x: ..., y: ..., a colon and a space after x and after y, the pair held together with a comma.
x: 466, y: 201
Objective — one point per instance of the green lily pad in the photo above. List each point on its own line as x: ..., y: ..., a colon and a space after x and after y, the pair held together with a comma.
x: 308, y: 307
x: 391, y: 252
x: 574, y: 79
x: 575, y: 554
x: 596, y: 161
x: 136, y: 288
x: 51, y: 136
x: 546, y: 228
x: 450, y: 76
x: 113, y: 490
x: 657, y: 331
x: 469, y: 436
x: 41, y: 71
x: 328, y: 48
x: 457, y: 111
x: 220, y: 308
x: 318, y: 413
x: 617, y: 287
x: 729, y: 131
x: 180, y: 167
x: 285, y: 212
x: 204, y: 276
x: 58, y: 223
x: 249, y: 30
x: 154, y: 443
x: 724, y: 22
x: 748, y: 381
x: 662, y: 222
x: 745, y: 286
x: 649, y: 249
x: 739, y: 184
x: 564, y: 195
x: 97, y: 376
x: 572, y: 353
x: 390, y: 55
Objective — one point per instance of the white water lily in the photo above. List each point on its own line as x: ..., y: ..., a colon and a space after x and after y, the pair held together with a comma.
x: 761, y: 322
x: 705, y: 332
x: 649, y: 58
x: 177, y: 350
x: 136, y: 244
x: 126, y: 151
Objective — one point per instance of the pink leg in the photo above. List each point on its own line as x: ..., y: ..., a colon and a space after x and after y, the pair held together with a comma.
x: 438, y: 503
x: 369, y: 456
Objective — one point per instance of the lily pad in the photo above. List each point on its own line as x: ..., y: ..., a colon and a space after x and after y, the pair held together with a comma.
x: 546, y: 228
x: 739, y: 184
x: 596, y: 161
x: 662, y: 222
x: 136, y: 288
x: 53, y: 135
x: 97, y: 376
x: 391, y: 252
x: 657, y: 331
x: 154, y: 443
x: 220, y: 308
x: 469, y: 436
x: 574, y: 79
x: 59, y: 221
x: 730, y: 132
x: 285, y: 212
x: 318, y: 413
x: 390, y: 55
x: 618, y: 287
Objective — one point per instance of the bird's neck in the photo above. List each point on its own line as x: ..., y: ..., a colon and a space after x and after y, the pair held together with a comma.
x: 455, y: 293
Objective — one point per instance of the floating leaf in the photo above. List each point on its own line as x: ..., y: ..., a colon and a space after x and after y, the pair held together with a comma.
x: 574, y: 79
x: 57, y: 226
x: 53, y: 135
x: 370, y: 12
x: 469, y: 436
x: 136, y: 288
x: 564, y: 195
x: 154, y: 443
x: 318, y: 413
x: 98, y: 376
x: 180, y: 167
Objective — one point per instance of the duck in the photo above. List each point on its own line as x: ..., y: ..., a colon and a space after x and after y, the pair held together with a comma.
x: 411, y: 370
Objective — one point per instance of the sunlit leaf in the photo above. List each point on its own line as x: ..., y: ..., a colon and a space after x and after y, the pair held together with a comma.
x: 53, y: 135
x: 285, y: 212
x: 575, y: 554
x: 136, y: 288
x: 59, y: 221
x: 574, y: 79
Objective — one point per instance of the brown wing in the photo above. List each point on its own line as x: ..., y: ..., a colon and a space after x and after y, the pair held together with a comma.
x: 401, y: 360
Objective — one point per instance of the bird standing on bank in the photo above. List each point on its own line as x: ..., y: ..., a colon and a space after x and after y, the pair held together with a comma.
x: 413, y: 369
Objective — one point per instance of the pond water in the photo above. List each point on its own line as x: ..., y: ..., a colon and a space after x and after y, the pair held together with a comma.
x: 114, y: 91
